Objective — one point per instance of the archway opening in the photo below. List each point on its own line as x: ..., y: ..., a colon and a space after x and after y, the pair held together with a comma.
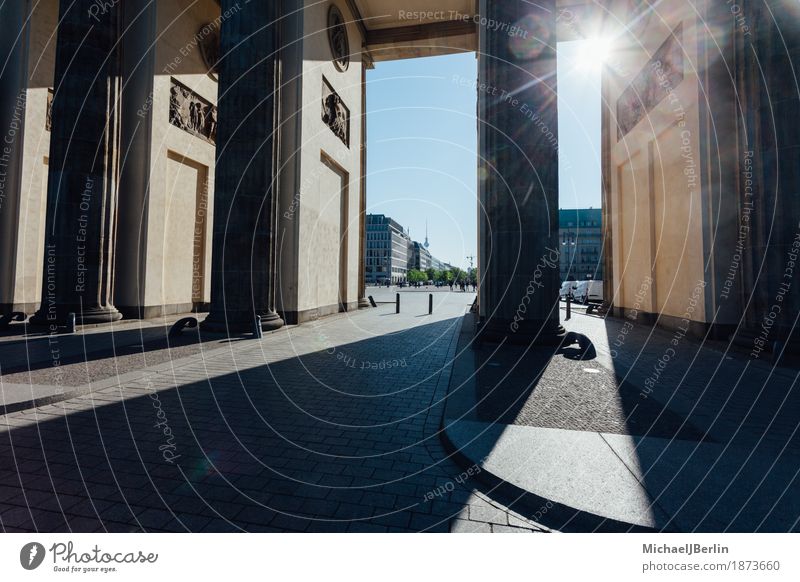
x: 422, y: 209
x: 580, y: 67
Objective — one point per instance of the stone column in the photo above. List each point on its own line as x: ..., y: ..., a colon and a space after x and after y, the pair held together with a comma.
x: 82, y: 180
x: 771, y: 109
x: 242, y: 277
x: 362, y: 215
x: 13, y: 94
x: 518, y: 177
x: 139, y: 45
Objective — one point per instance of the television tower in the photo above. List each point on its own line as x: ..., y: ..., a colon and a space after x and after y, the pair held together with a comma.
x: 426, y: 244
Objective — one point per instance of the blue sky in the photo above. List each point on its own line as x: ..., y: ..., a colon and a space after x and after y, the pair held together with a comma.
x: 579, y: 128
x: 422, y: 146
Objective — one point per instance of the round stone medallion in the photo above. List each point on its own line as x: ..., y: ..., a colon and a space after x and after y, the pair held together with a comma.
x: 337, y: 36
x: 208, y: 39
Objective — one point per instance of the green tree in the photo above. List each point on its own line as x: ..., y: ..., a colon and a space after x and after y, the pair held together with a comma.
x: 415, y: 276
x: 458, y: 275
x: 431, y: 272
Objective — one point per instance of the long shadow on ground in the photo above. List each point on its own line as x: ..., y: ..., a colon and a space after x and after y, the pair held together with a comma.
x: 341, y: 439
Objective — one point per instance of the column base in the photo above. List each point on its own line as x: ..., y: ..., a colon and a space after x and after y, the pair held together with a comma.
x: 58, y: 316
x: 235, y: 322
x: 363, y: 303
x: 526, y: 332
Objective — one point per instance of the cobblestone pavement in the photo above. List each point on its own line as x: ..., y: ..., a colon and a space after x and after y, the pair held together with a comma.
x: 714, y: 386
x: 330, y: 426
x: 542, y: 389
x: 693, y: 436
x: 636, y: 379
x: 631, y: 378
x: 94, y: 354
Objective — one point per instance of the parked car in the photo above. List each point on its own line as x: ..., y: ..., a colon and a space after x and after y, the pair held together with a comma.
x: 567, y: 288
x: 588, y: 292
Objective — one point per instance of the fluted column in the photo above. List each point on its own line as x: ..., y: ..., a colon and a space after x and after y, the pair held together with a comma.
x: 518, y: 188
x: 13, y: 95
x: 139, y: 47
x: 82, y: 180
x: 242, y: 277
x: 362, y: 211
x: 770, y: 58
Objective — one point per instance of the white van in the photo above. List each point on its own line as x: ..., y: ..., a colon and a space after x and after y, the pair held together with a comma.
x: 588, y: 292
x: 567, y: 288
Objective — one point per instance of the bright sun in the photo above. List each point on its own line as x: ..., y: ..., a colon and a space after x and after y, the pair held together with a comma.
x: 593, y: 53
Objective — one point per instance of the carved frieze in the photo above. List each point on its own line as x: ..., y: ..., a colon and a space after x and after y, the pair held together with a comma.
x: 662, y: 75
x: 192, y: 113
x: 335, y: 114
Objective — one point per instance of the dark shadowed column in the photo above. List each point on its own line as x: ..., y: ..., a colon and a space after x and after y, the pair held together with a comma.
x: 518, y: 174
x: 81, y: 190
x: 244, y: 214
x: 771, y: 95
x: 13, y: 94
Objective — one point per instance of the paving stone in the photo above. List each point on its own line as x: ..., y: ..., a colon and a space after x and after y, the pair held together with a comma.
x: 506, y: 529
x: 519, y: 522
x: 488, y: 513
x: 366, y: 527
x: 429, y: 523
x: 466, y: 526
x: 281, y: 425
x: 399, y: 520
x: 447, y: 509
x: 289, y: 523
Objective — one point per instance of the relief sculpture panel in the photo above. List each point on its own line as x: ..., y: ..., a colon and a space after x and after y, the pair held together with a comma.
x: 662, y: 74
x: 192, y: 113
x: 335, y: 113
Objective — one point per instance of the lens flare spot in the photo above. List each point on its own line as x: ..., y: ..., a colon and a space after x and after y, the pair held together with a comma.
x: 531, y: 38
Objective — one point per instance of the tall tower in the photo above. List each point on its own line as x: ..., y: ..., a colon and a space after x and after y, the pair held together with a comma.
x: 427, y: 244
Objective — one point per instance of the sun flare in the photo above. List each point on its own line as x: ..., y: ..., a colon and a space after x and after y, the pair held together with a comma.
x: 594, y: 52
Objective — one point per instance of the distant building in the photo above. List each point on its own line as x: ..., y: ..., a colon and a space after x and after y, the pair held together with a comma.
x: 581, y: 238
x: 387, y: 250
x: 390, y: 252
x: 421, y: 258
x: 440, y: 265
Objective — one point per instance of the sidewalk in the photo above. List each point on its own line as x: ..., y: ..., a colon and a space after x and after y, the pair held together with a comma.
x: 328, y: 426
x: 38, y: 368
x: 607, y: 438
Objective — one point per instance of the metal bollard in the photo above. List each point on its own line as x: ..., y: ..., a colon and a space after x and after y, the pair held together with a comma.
x: 430, y: 303
x: 372, y: 301
x: 397, y: 304
x: 569, y: 308
x: 71, y: 319
x: 258, y: 333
